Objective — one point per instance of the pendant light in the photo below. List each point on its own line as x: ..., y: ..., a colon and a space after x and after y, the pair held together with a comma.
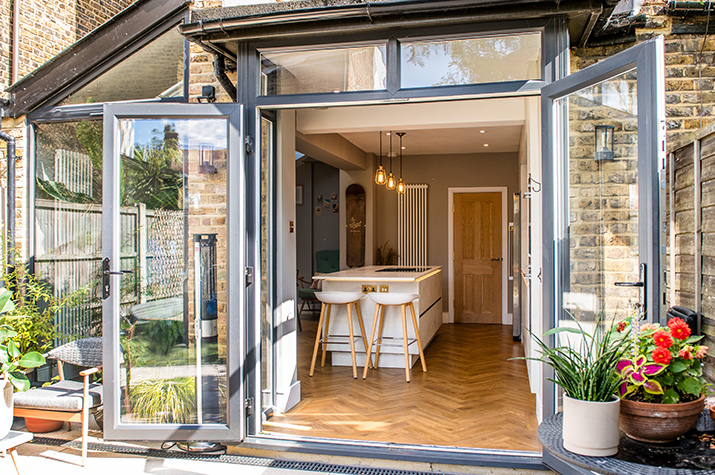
x: 380, y: 176
x: 401, y: 187
x: 390, y: 185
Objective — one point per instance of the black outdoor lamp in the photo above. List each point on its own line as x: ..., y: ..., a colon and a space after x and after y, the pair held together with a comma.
x: 604, y: 143
x: 206, y: 160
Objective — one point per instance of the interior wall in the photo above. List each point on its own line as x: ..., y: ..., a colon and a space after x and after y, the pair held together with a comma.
x: 304, y: 221
x: 325, y: 194
x: 440, y: 173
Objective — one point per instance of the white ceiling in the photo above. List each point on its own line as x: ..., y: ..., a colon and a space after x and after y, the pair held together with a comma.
x: 443, y: 141
x: 450, y: 127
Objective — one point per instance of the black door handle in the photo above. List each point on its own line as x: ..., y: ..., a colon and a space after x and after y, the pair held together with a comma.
x: 106, y: 272
x: 630, y: 284
x: 497, y: 259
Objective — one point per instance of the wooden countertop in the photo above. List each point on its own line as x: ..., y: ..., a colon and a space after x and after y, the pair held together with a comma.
x: 382, y: 274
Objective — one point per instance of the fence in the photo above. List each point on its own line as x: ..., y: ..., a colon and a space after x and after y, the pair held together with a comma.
x: 690, y: 218
x: 68, y: 257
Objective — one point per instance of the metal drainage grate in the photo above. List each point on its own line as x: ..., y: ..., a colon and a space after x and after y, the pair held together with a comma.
x: 225, y: 458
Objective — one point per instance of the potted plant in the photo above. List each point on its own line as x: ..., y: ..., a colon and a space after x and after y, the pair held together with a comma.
x: 585, y: 366
x: 13, y: 365
x: 662, y: 386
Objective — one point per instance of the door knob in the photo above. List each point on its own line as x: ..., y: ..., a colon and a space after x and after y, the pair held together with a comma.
x: 497, y: 259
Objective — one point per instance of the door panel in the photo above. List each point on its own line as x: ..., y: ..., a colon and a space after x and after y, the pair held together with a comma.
x: 478, y: 260
x: 167, y: 217
x: 601, y: 211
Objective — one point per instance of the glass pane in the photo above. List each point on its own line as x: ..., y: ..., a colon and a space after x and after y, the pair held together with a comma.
x: 326, y: 70
x: 68, y: 220
x: 267, y: 325
x: 602, y: 198
x: 156, y: 70
x: 471, y: 60
x: 173, y: 239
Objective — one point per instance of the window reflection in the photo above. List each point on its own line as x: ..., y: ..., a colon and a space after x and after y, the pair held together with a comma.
x: 471, y: 60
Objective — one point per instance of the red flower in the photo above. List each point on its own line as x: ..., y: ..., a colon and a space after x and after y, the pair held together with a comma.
x: 621, y: 326
x: 662, y: 339
x: 679, y: 329
x: 661, y: 355
x: 685, y: 354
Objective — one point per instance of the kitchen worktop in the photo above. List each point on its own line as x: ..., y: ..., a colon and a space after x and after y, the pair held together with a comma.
x: 381, y: 273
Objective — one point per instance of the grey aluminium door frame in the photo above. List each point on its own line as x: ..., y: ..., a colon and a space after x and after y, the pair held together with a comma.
x: 647, y: 59
x: 235, y: 429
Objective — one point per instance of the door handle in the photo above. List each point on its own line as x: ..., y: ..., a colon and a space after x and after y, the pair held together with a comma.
x: 497, y: 259
x: 106, y: 272
x: 640, y: 285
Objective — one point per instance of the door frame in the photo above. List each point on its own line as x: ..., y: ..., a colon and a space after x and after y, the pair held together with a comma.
x: 235, y: 427
x: 506, y: 317
x: 648, y: 59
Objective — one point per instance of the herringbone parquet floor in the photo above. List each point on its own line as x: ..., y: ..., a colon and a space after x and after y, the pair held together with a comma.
x: 471, y: 395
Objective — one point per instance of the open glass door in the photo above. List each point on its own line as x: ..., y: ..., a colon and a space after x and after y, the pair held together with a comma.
x: 603, y: 160
x: 173, y: 209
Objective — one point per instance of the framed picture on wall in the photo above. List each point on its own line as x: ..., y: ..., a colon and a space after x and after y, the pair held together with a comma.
x: 299, y: 194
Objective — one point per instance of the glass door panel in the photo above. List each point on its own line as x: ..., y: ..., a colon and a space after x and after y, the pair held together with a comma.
x: 167, y: 272
x: 603, y: 159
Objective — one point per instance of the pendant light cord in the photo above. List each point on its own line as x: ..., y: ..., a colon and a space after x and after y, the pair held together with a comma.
x: 381, y: 148
x: 390, y: 151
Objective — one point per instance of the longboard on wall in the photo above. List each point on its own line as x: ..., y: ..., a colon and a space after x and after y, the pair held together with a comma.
x: 355, y: 222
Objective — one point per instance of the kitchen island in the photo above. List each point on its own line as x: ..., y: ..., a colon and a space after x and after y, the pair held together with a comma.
x: 426, y: 281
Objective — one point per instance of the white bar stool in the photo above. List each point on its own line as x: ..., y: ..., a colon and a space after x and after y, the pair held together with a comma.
x: 383, y: 300
x: 329, y: 299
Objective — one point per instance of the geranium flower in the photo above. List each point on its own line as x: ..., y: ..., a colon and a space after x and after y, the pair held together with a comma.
x: 661, y: 355
x: 663, y: 339
x: 648, y: 326
x: 701, y: 352
x: 621, y: 326
x: 685, y: 353
x: 679, y: 329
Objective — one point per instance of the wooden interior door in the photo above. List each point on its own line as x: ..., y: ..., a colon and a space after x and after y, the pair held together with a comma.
x: 477, y: 258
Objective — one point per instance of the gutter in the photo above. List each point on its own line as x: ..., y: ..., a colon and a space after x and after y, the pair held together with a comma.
x: 11, y: 158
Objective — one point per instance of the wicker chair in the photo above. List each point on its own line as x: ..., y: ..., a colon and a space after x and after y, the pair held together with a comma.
x: 67, y: 400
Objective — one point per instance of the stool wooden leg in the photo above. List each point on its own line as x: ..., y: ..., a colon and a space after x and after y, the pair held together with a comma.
x: 317, y: 340
x: 14, y: 461
x: 404, y: 342
x: 325, y: 333
x: 362, y: 331
x: 379, y: 336
x: 352, y: 340
x: 417, y: 334
x: 368, y: 352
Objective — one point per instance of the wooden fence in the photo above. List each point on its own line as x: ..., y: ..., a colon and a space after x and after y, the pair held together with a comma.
x: 690, y: 221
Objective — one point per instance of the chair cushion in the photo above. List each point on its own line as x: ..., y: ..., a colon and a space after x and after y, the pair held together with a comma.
x: 61, y: 396
x: 307, y: 294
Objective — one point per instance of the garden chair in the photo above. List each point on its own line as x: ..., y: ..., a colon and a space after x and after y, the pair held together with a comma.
x: 67, y: 400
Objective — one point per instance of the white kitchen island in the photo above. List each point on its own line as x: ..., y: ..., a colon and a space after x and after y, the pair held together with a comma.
x: 426, y: 281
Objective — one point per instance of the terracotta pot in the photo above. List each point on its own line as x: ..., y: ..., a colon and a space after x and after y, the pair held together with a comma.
x: 42, y: 425
x: 5, y: 407
x: 591, y: 428
x: 659, y: 423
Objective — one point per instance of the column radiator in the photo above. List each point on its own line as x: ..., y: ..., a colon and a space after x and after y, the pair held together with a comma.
x: 412, y: 226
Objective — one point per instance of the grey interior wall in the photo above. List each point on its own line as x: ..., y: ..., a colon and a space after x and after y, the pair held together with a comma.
x: 441, y: 172
x: 303, y: 221
x: 317, y: 230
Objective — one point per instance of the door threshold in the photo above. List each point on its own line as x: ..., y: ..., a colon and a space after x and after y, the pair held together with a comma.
x: 432, y: 454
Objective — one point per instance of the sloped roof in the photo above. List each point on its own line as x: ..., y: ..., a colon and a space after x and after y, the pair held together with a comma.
x: 219, y: 29
x: 93, y: 54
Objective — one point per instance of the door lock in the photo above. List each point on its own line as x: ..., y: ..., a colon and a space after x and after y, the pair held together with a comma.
x: 641, y: 284
x: 106, y: 272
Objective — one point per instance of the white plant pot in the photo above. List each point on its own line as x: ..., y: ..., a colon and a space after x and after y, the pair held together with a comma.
x: 591, y: 428
x: 5, y: 407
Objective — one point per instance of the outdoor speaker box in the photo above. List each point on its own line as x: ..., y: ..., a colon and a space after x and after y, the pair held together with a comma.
x: 690, y: 317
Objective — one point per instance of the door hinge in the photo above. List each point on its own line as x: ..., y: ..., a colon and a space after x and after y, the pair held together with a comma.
x: 248, y: 404
x: 249, y: 275
x: 248, y: 142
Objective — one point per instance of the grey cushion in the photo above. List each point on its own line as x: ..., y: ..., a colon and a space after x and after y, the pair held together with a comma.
x: 61, y: 396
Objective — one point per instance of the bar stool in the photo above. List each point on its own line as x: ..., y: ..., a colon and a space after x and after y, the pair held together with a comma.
x: 394, y: 300
x: 329, y: 299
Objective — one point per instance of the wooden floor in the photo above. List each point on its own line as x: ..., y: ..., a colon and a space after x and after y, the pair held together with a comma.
x: 471, y: 395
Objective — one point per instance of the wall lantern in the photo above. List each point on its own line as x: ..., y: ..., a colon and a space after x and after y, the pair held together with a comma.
x: 206, y: 160
x: 604, y: 143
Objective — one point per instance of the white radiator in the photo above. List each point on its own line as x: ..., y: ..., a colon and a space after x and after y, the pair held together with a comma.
x: 412, y: 226
x: 74, y: 170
